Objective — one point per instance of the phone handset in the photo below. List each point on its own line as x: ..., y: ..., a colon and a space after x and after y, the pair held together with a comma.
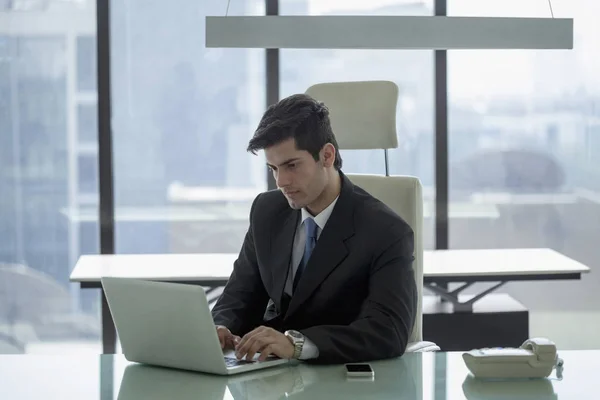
x: 545, y: 350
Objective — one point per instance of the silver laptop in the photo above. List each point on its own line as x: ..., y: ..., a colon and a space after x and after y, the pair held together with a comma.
x: 170, y: 325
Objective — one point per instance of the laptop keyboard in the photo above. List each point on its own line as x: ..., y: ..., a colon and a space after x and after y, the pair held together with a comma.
x: 234, y: 362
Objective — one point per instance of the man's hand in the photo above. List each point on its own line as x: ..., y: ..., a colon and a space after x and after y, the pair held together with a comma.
x: 227, y: 339
x: 265, y: 341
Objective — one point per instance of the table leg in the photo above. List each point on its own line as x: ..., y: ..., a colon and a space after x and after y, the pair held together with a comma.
x: 14, y: 342
x: 452, y: 296
x: 215, y: 296
x: 109, y: 333
x: 106, y: 378
x: 440, y: 374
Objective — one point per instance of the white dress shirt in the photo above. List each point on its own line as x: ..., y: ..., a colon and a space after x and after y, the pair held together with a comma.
x: 309, y: 350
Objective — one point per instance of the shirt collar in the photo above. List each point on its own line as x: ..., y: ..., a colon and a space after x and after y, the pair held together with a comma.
x: 322, y: 217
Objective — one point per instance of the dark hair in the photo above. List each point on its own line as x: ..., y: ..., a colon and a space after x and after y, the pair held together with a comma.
x: 301, y: 117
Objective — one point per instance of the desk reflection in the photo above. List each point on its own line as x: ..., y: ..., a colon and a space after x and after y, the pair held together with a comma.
x: 397, y: 379
x: 531, y: 389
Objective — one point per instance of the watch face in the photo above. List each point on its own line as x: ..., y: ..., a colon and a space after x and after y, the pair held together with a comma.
x: 295, y: 334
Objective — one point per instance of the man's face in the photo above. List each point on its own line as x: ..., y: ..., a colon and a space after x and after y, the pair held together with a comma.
x: 297, y: 174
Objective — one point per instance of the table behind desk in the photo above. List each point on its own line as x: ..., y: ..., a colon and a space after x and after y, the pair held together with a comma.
x: 440, y: 267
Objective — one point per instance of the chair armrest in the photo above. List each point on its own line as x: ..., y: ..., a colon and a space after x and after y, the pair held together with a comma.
x: 420, y: 347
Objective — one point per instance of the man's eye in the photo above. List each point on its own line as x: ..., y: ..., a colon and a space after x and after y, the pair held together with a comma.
x: 291, y: 166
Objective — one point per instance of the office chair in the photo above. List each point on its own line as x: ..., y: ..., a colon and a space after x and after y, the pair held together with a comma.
x: 363, y: 116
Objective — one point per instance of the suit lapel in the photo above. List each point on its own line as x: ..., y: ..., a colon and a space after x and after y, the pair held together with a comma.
x: 331, y: 248
x: 283, y: 231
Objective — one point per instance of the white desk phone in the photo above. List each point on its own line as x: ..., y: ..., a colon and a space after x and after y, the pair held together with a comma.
x: 536, y: 358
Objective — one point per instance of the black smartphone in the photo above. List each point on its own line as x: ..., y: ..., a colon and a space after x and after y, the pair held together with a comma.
x: 359, y: 370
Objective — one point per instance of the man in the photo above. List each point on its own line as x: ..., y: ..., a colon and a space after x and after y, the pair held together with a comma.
x: 325, y: 272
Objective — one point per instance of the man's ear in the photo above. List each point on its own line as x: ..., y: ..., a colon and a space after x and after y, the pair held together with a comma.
x: 328, y: 155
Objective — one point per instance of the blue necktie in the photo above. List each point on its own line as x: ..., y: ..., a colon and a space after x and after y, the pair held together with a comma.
x: 311, y: 228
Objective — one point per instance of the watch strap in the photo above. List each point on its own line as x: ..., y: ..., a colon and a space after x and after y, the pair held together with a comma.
x: 298, y: 345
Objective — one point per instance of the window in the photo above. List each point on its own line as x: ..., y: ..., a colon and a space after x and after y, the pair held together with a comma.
x: 87, y: 173
x: 40, y: 311
x: 182, y: 117
x: 87, y: 124
x: 412, y: 70
x: 524, y: 164
x: 86, y: 63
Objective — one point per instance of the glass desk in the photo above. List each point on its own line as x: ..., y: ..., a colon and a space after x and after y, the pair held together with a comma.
x: 428, y: 376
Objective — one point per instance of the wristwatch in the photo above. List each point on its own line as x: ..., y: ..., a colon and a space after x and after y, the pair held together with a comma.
x: 297, y: 340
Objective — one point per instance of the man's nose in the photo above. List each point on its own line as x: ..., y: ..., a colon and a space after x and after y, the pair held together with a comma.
x: 282, y: 179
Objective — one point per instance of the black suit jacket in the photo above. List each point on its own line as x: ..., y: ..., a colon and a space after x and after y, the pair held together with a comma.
x: 357, y: 298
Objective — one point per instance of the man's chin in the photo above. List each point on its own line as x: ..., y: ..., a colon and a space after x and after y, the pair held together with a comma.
x: 294, y: 205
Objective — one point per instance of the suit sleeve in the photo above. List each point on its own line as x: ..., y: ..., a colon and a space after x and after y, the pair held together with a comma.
x: 242, y: 305
x: 386, y: 319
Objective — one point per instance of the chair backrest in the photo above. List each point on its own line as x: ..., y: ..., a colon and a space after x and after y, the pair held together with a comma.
x: 363, y: 116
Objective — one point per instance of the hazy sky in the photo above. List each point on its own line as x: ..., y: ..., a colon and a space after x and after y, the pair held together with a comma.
x: 514, y: 8
x: 510, y: 72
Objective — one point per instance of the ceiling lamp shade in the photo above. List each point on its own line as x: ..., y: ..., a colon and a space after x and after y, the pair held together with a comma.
x: 388, y: 32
